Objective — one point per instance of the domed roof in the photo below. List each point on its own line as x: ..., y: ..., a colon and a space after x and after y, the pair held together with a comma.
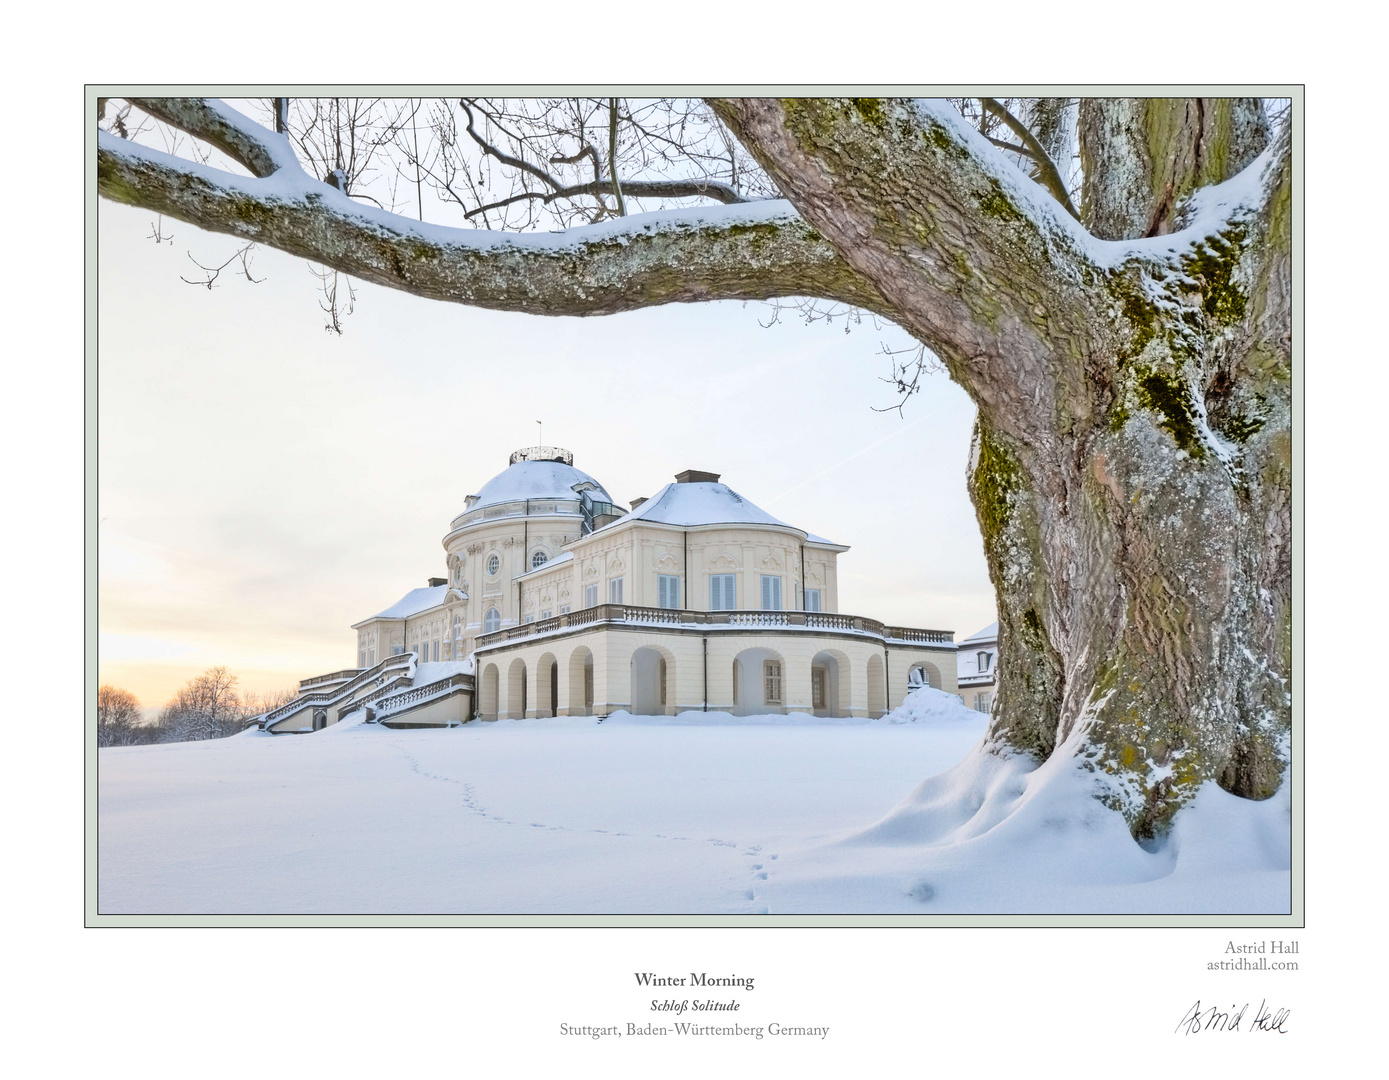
x: 536, y: 480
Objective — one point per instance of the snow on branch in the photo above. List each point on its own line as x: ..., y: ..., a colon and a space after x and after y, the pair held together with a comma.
x: 214, y: 122
x: 751, y: 250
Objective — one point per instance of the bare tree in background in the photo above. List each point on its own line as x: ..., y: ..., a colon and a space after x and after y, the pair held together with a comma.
x: 118, y: 718
x: 208, y: 707
x: 1120, y: 317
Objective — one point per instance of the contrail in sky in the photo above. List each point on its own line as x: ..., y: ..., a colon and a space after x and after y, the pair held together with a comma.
x: 845, y: 461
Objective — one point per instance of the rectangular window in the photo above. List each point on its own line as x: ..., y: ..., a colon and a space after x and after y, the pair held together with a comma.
x: 436, y: 650
x: 361, y: 658
x: 590, y: 596
x: 529, y: 618
x: 723, y: 592
x: 396, y: 650
x: 615, y: 591
x: 812, y: 600
x: 771, y: 672
x: 771, y: 593
x: 564, y: 609
x: 817, y: 688
x: 546, y: 613
x: 667, y: 591
x: 982, y: 702
x: 371, y: 658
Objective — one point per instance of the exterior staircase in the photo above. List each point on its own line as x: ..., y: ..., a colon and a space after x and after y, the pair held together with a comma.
x: 389, y: 692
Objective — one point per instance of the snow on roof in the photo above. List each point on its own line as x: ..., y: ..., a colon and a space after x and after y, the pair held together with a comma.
x: 989, y: 633
x: 537, y: 480
x: 701, y: 504
x: 413, y: 602
x: 568, y: 556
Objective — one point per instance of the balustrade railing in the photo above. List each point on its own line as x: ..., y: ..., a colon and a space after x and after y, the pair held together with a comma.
x: 781, y: 620
x: 337, y: 676
x: 397, y: 702
x: 930, y: 637
x: 337, y: 695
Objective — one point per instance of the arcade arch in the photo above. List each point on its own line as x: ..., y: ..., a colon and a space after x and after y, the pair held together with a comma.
x: 759, y: 682
x: 653, y: 681
x: 487, y: 697
x: 581, y: 682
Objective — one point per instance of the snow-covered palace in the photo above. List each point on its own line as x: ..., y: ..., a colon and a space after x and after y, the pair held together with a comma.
x: 557, y: 602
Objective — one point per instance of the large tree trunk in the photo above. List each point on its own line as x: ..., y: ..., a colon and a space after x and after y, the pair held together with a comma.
x: 1131, y: 461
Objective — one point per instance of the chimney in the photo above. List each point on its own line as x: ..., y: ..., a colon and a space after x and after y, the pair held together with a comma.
x: 435, y: 582
x: 694, y: 476
x: 638, y: 501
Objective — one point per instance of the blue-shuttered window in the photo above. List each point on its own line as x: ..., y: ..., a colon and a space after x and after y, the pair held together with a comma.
x: 771, y: 593
x: 723, y: 592
x: 667, y: 591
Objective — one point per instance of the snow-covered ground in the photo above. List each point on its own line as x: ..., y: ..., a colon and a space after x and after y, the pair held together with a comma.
x: 702, y: 813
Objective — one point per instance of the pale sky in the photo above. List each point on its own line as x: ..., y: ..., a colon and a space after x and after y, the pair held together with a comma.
x: 264, y: 484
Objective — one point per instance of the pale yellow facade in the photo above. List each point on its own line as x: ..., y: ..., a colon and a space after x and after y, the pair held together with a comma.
x: 559, y: 602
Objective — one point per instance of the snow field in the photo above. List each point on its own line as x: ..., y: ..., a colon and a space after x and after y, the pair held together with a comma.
x: 701, y: 813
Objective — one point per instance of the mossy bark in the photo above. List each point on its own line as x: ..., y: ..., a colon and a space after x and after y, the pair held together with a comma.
x: 1128, y: 461
x: 1151, y: 153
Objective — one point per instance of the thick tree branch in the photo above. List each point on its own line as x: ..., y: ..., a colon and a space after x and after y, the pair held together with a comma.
x: 1050, y: 178
x: 243, y: 140
x: 635, y: 189
x: 753, y: 251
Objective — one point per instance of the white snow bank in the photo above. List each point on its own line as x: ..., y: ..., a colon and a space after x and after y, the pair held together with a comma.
x: 925, y: 705
x: 996, y: 834
x: 702, y: 812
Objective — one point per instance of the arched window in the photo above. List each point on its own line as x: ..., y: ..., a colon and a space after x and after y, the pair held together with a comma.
x: 984, y: 659
x: 492, y: 621
x: 494, y: 563
x: 538, y: 560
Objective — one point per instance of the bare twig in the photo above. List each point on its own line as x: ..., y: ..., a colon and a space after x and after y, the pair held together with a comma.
x: 214, y: 272
x: 906, y: 375
x: 328, y: 284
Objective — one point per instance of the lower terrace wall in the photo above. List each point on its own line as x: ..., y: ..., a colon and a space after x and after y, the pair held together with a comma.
x: 454, y: 708
x: 657, y: 671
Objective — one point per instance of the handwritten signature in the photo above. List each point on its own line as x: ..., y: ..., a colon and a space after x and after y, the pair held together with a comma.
x: 1214, y: 1018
